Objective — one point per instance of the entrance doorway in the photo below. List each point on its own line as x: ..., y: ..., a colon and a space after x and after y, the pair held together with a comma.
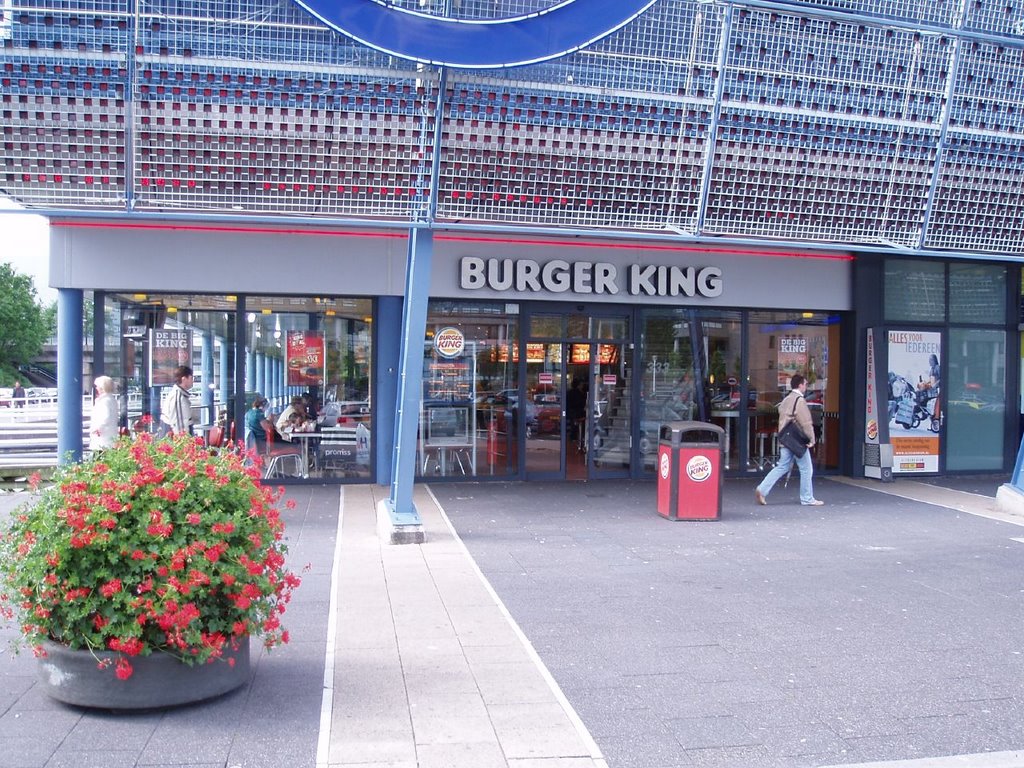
x: 578, y: 401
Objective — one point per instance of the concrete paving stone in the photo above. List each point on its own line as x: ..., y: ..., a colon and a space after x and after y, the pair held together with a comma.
x: 473, y: 755
x: 703, y: 732
x: 372, y: 740
x: 742, y: 757
x: 106, y: 758
x: 272, y: 748
x: 48, y: 724
x: 901, y: 746
x: 957, y: 734
x: 559, y: 762
x: 450, y: 676
x: 450, y: 719
x: 511, y: 652
x: 536, y: 730
x: 26, y: 751
x: 99, y: 730
x: 518, y: 683
x: 800, y: 740
x: 644, y: 751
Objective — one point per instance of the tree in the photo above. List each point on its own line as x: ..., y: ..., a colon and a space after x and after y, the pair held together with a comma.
x: 23, y: 329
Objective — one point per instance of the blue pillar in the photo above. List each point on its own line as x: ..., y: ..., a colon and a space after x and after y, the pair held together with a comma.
x: 259, y: 381
x: 69, y: 375
x: 265, y: 381
x: 225, y: 371
x: 250, y: 370
x: 410, y: 385
x: 207, y: 399
x: 387, y: 330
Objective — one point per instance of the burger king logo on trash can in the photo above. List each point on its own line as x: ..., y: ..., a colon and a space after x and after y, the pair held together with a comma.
x: 698, y: 468
x: 872, y: 429
x: 449, y: 342
x: 664, y: 466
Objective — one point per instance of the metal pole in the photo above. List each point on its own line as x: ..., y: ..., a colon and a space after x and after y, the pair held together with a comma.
x: 69, y: 375
x: 404, y: 517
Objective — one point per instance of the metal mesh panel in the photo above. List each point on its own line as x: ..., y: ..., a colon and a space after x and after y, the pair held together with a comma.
x: 979, y: 202
x: 62, y: 105
x: 989, y: 92
x: 824, y: 128
x: 586, y: 160
x: 217, y: 130
x: 825, y: 66
x: 938, y: 12
x: 818, y: 178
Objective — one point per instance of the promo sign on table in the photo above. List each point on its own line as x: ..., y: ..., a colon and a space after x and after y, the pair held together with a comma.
x: 306, y: 359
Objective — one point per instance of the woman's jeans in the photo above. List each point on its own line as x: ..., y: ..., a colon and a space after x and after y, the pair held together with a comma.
x: 786, y: 459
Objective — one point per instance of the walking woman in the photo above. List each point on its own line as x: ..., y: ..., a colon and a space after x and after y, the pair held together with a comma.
x: 793, y: 408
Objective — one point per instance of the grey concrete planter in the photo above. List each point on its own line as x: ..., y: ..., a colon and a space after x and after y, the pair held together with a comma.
x: 158, y: 680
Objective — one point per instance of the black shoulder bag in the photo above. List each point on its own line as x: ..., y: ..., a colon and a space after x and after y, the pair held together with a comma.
x: 792, y: 436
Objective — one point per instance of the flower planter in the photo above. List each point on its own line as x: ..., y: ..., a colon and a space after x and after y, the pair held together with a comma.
x: 158, y: 680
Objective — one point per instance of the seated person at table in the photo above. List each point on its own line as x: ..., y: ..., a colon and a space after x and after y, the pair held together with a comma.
x: 257, y: 425
x: 297, y: 407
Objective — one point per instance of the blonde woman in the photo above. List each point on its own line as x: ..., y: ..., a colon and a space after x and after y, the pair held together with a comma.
x: 103, y: 418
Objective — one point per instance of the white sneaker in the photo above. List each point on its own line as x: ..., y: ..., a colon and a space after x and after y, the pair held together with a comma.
x: 813, y: 503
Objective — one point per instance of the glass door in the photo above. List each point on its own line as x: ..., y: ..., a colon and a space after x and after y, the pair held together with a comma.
x: 544, y: 410
x: 608, y: 440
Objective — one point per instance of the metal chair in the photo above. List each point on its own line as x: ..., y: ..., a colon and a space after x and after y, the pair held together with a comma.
x: 279, y: 457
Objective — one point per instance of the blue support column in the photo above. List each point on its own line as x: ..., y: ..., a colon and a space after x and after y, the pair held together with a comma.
x: 387, y: 328
x: 225, y: 377
x: 250, y: 370
x: 69, y: 375
x: 405, y: 520
x: 260, y: 381
x: 207, y: 399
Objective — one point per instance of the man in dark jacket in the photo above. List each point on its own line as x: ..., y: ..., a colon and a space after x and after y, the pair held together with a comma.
x: 793, y: 408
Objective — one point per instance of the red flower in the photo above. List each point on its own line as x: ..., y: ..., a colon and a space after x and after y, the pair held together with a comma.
x: 111, y: 588
x: 123, y: 669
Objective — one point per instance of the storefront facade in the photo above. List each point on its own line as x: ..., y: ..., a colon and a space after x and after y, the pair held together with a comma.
x: 552, y: 359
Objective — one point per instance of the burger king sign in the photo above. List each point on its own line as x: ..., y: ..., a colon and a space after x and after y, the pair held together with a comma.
x: 449, y: 342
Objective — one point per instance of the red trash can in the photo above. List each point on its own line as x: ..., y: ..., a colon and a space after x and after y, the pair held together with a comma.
x: 690, y: 471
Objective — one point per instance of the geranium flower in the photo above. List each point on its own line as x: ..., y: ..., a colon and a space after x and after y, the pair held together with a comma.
x: 160, y: 548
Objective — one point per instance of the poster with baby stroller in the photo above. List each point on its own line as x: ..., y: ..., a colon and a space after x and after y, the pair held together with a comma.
x: 915, y: 412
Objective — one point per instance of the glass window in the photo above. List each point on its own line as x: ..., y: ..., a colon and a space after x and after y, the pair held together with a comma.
x: 977, y: 293
x: 976, y: 405
x: 669, y: 389
x: 149, y: 335
x: 915, y: 291
x: 782, y: 344
x: 311, y: 359
x: 470, y: 407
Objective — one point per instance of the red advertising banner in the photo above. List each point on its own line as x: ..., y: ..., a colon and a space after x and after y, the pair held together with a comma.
x: 167, y: 350
x: 305, y: 358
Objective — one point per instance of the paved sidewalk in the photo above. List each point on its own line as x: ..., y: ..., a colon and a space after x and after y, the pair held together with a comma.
x: 429, y: 670
x: 878, y: 628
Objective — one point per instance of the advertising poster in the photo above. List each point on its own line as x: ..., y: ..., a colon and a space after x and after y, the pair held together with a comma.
x: 168, y: 349
x: 914, y: 400
x: 792, y: 359
x: 305, y: 353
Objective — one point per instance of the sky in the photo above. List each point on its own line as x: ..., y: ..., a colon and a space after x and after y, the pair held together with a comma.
x: 24, y: 243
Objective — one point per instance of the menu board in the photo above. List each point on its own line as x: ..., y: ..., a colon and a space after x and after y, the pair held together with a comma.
x: 305, y: 358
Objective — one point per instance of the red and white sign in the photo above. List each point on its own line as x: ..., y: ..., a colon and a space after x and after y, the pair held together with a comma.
x: 450, y: 342
x: 698, y: 468
x: 306, y: 360
x: 610, y: 379
x: 545, y: 378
